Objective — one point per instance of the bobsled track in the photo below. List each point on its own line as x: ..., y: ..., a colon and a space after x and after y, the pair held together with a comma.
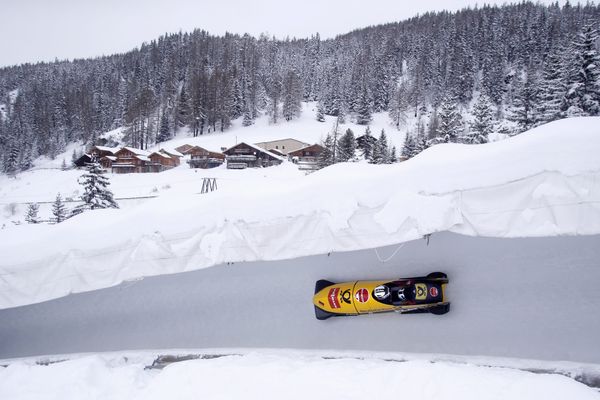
x: 536, y: 298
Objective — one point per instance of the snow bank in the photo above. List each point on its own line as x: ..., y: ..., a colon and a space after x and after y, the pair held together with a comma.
x: 543, y: 182
x: 278, y: 376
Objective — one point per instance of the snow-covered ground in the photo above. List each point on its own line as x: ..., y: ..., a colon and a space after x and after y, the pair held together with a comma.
x: 541, y: 183
x: 279, y: 375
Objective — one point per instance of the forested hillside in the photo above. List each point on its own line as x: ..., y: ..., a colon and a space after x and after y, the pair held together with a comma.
x: 510, y: 67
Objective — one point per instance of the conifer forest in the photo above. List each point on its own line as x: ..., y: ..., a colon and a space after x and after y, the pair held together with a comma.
x: 509, y: 68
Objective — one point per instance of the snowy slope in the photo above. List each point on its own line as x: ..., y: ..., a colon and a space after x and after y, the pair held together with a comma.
x: 543, y: 182
x: 279, y: 375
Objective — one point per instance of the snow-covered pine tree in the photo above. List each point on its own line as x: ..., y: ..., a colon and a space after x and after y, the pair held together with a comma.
x: 422, y: 142
x: 32, y: 213
x: 347, y: 146
x: 393, y: 155
x: 409, y: 147
x: 522, y: 110
x: 363, y: 108
x: 381, y: 95
x: 320, y: 113
x: 292, y: 96
x: 59, y: 209
x: 248, y: 120
x: 367, y: 144
x: 376, y: 155
x: 326, y: 158
x: 27, y: 157
x: 342, y: 114
x: 96, y: 193
x: 583, y: 94
x: 384, y: 150
x: 11, y: 164
x: 381, y: 152
x: 553, y: 88
x: 183, y: 111
x: 483, y: 121
x: 164, y: 131
x: 450, y: 122
x: 399, y: 106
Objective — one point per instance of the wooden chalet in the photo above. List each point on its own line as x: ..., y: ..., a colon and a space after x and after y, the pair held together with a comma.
x: 102, y: 151
x: 104, y: 155
x: 107, y: 161
x: 83, y: 161
x: 130, y: 159
x: 244, y: 155
x: 366, y: 141
x: 160, y: 161
x: 307, y: 158
x: 202, y: 158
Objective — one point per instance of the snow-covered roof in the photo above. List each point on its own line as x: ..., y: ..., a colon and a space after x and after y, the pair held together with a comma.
x: 281, y: 140
x: 163, y: 155
x: 137, y: 152
x: 258, y: 148
x: 142, y: 157
x: 111, y: 158
x: 171, y: 152
x: 111, y: 150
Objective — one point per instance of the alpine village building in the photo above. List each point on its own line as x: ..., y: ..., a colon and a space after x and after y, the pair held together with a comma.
x: 242, y: 155
x: 245, y: 155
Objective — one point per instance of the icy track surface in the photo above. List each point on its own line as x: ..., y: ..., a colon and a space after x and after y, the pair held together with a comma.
x: 533, y: 298
x: 544, y: 182
x: 279, y: 376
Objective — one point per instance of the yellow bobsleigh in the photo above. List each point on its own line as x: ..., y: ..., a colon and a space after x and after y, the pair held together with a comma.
x: 407, y: 296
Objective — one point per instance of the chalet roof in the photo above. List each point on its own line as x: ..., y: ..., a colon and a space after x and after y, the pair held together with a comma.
x: 111, y: 150
x: 279, y: 153
x: 174, y: 153
x: 281, y: 140
x: 111, y: 158
x: 257, y: 148
x: 82, y: 160
x: 158, y: 153
x: 201, y: 148
x: 183, y: 148
x: 316, y: 147
x: 137, y: 152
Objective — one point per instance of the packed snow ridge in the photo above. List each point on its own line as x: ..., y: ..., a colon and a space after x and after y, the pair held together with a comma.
x: 541, y: 183
x: 281, y: 375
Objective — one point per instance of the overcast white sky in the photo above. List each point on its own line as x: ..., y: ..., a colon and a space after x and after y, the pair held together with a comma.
x: 42, y: 30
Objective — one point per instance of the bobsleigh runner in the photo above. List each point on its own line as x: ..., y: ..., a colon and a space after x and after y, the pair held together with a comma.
x: 406, y: 296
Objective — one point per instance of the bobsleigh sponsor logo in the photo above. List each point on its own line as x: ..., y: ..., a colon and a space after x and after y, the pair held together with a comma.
x: 333, y: 298
x: 361, y: 295
x: 433, y: 291
x: 421, y: 291
x: 346, y: 296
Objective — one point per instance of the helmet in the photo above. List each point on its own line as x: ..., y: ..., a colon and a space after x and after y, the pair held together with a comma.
x: 381, y: 292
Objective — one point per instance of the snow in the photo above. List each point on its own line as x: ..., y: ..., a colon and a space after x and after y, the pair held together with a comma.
x: 112, y: 150
x: 137, y: 152
x: 541, y: 183
x: 277, y: 375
